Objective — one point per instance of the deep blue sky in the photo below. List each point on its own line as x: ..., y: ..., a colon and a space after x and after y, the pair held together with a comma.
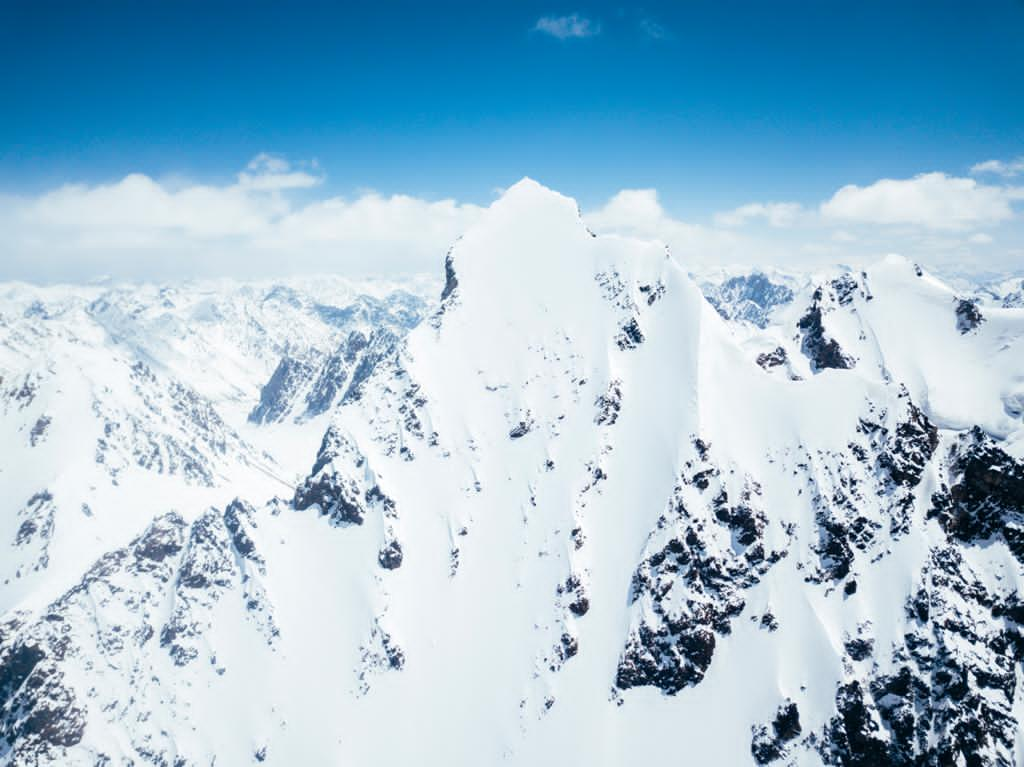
x: 737, y: 101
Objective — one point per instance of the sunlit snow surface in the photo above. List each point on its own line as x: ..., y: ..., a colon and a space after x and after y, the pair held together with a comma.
x: 576, y: 516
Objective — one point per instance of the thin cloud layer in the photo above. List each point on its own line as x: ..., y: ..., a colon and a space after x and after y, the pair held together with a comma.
x: 653, y: 29
x: 1007, y: 169
x: 567, y: 27
x: 267, y: 173
x: 777, y: 214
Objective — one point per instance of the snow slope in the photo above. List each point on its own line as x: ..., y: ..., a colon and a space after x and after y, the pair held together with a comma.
x: 577, y: 517
x: 119, y: 403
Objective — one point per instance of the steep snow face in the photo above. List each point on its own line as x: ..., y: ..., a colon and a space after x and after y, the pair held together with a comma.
x: 579, y: 517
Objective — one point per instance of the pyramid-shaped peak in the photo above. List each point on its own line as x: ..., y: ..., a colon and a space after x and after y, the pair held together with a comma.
x: 527, y: 185
x: 528, y: 195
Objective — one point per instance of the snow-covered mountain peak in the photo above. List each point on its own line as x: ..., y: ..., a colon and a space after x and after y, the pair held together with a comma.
x: 530, y: 251
x: 578, y: 499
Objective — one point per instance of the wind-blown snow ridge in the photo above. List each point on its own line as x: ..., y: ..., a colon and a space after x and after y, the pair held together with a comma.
x: 579, y: 516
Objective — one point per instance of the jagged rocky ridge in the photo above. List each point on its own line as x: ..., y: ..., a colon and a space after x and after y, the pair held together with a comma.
x: 122, y: 400
x: 311, y: 382
x: 750, y: 298
x: 118, y: 612
x: 578, y: 500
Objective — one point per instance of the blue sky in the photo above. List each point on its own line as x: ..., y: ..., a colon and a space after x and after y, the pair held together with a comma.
x: 713, y: 104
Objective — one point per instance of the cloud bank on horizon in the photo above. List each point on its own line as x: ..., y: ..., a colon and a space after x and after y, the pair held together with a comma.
x: 270, y: 221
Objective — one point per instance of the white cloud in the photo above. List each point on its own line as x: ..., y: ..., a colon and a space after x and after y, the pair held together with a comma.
x: 777, y: 214
x: 566, y: 27
x: 639, y: 213
x: 273, y: 219
x: 1008, y: 169
x: 268, y: 173
x: 805, y: 238
x: 653, y: 29
x: 139, y: 228
x: 140, y: 206
x: 929, y: 200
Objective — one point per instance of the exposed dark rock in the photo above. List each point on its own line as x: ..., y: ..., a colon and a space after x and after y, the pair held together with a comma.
x: 768, y: 745
x: 764, y: 747
x: 339, y: 497
x: 833, y: 548
x: 985, y: 496
x: 630, y: 336
x: 844, y: 288
x: 25, y: 394
x: 609, y: 404
x: 336, y: 498
x: 772, y: 359
x: 390, y: 557
x: 569, y: 646
x: 329, y: 382
x: 451, y: 281
x: 206, y: 563
x: 751, y: 298
x: 968, y: 315
x: 580, y: 606
x: 208, y: 569
x: 859, y: 648
x: 787, y: 722
x: 277, y: 394
x: 853, y: 738
x: 692, y: 579
x: 522, y: 428
x: 36, y: 528
x: 38, y: 432
x: 119, y: 606
x: 823, y: 352
x: 575, y: 595
x: 769, y: 622
x: 911, y: 448
x: 310, y: 381
x: 653, y: 292
x: 39, y: 716
x: 234, y: 514
x: 951, y: 697
x: 334, y: 444
x: 17, y: 664
x: 381, y: 346
x: 355, y: 343
x: 868, y: 491
x: 380, y: 654
x: 163, y: 539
